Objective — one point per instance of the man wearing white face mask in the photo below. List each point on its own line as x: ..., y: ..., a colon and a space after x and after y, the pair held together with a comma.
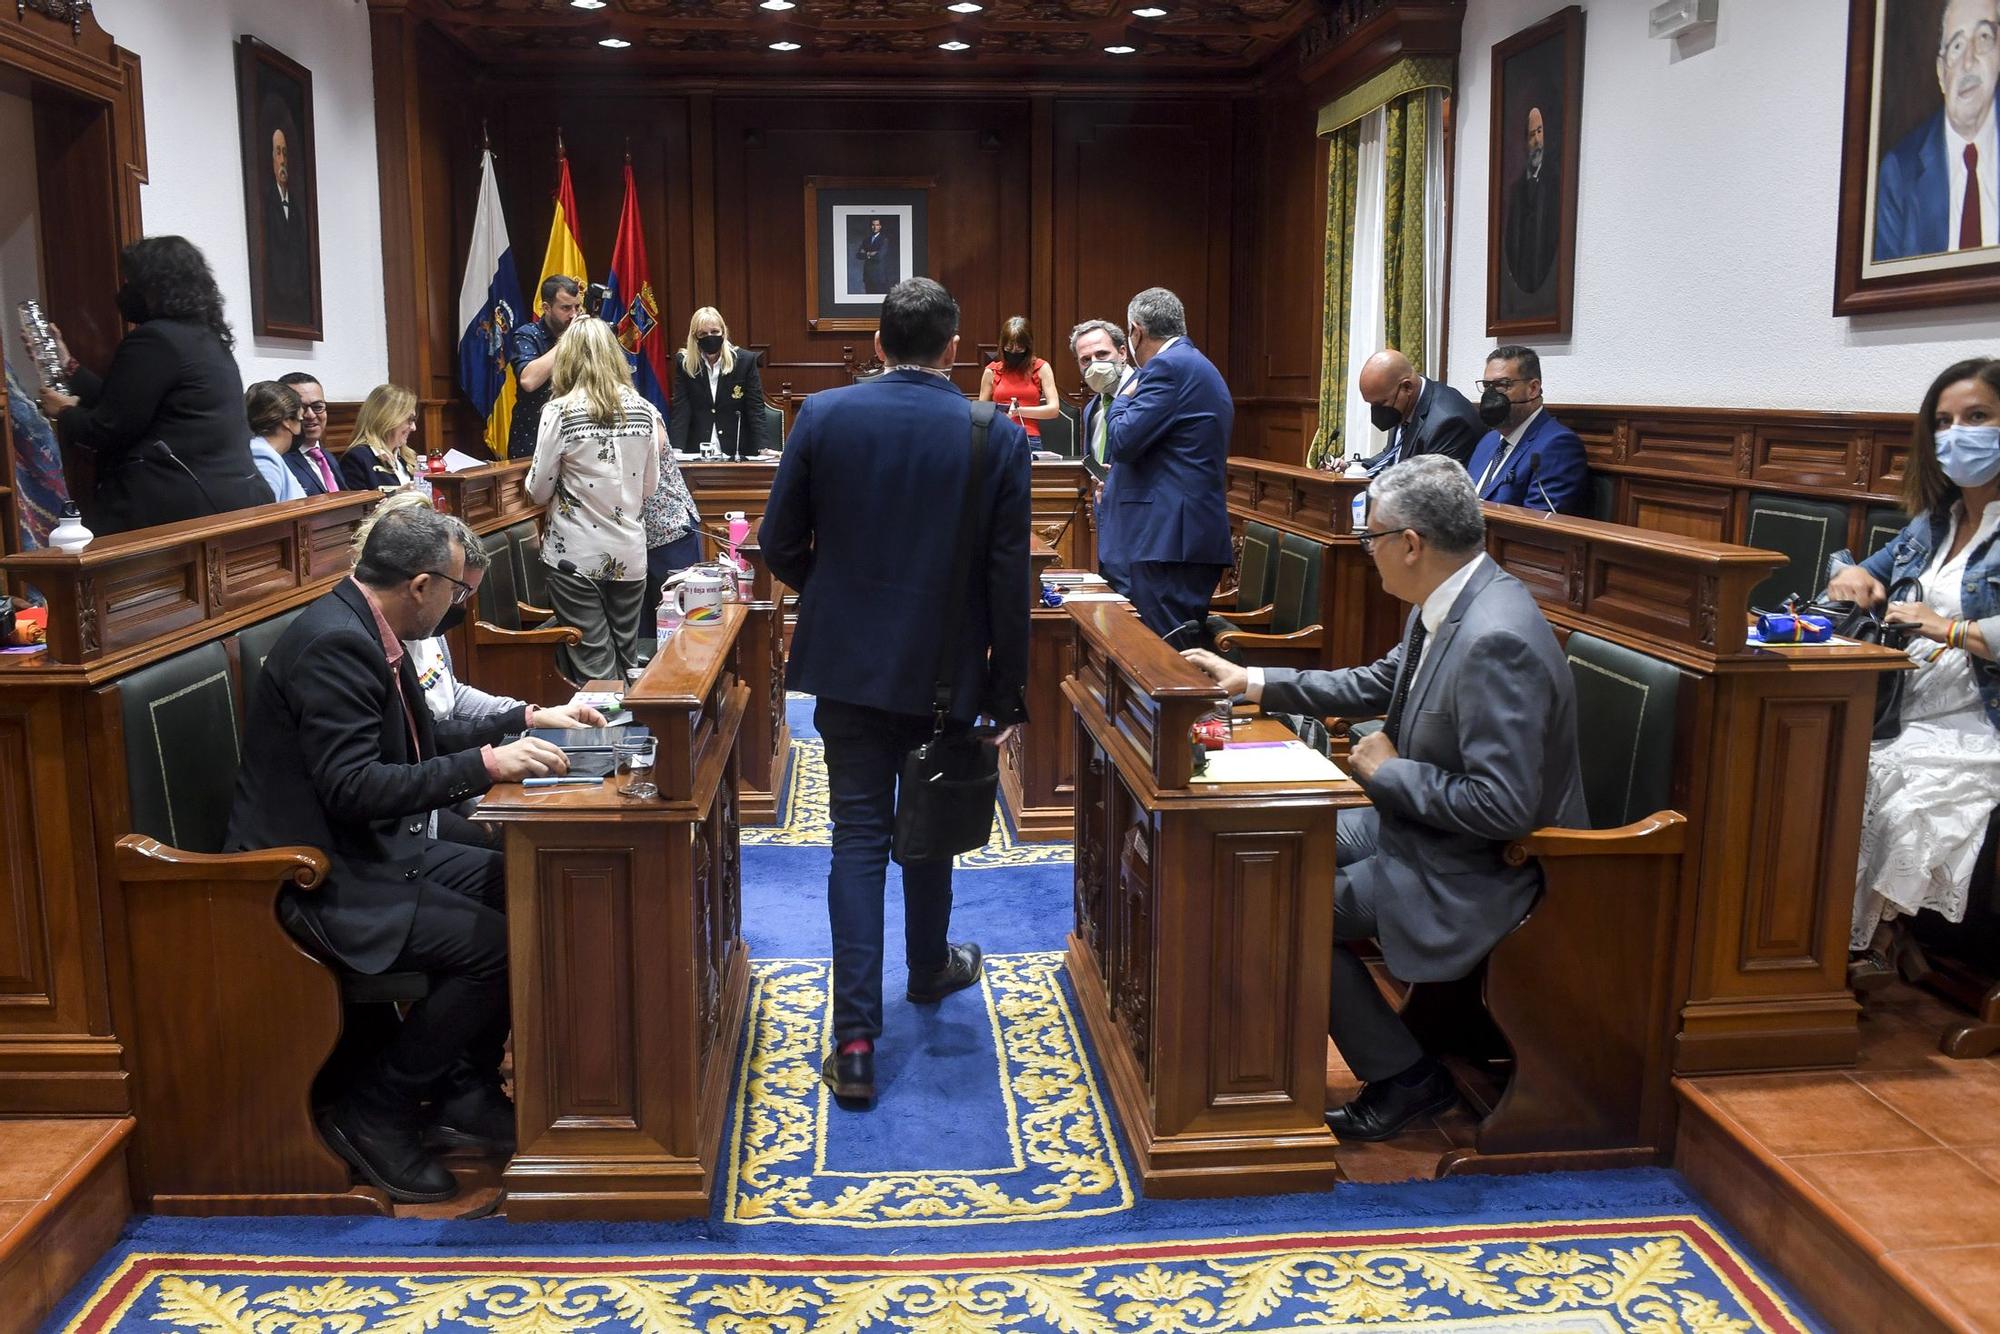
x: 1105, y: 364
x: 1934, y: 784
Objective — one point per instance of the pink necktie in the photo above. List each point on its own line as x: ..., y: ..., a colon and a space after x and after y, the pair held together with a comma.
x: 318, y: 456
x: 1968, y: 216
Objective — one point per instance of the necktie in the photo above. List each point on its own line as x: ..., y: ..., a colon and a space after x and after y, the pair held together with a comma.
x: 1101, y: 427
x: 1493, y: 468
x: 1387, y: 456
x: 1413, y: 656
x: 1969, y: 220
x: 318, y: 457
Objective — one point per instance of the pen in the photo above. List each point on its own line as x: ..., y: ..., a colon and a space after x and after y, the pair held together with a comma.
x: 552, y: 782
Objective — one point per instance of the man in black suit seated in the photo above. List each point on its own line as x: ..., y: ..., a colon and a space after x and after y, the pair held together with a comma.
x: 864, y: 521
x: 341, y: 754
x: 1421, y: 416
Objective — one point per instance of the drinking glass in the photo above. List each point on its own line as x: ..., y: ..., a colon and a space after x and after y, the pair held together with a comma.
x: 635, y: 767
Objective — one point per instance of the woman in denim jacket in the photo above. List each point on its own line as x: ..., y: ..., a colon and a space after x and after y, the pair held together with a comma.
x: 1933, y: 786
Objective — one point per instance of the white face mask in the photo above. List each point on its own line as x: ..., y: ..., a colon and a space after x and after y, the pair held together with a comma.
x: 1969, y: 455
x: 1103, y: 376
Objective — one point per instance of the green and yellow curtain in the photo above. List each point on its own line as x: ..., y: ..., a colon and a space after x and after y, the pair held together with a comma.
x: 1402, y: 93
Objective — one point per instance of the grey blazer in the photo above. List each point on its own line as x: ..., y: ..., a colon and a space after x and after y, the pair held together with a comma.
x: 1488, y: 754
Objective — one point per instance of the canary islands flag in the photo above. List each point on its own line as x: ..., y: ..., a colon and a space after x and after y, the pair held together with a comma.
x: 489, y: 306
x: 564, y: 255
x: 630, y: 308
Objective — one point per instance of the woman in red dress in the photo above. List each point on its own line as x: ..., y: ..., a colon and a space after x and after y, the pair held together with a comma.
x: 1022, y: 379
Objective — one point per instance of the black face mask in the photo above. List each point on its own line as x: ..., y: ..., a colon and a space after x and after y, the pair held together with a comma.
x: 453, y: 617
x: 1384, y: 417
x: 1015, y: 359
x: 710, y: 344
x: 1494, y: 407
x: 131, y: 303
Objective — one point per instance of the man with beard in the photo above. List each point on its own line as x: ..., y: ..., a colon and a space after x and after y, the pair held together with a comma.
x: 532, y: 350
x: 1534, y: 214
x: 1935, y: 191
x: 1527, y: 458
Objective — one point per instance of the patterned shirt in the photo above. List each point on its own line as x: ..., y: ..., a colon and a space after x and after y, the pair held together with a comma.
x: 527, y: 343
x: 670, y: 514
x: 595, y: 479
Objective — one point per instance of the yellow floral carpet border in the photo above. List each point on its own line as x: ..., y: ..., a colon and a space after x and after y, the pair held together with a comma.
x: 1668, y: 1275
x: 804, y: 821
x: 1065, y: 1160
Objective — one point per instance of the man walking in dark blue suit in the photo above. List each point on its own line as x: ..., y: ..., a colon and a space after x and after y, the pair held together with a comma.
x: 864, y: 521
x: 1528, y: 458
x: 1168, y: 437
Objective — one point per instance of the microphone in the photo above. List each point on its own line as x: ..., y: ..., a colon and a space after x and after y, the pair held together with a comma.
x: 566, y: 566
x: 1188, y: 634
x: 1534, y: 466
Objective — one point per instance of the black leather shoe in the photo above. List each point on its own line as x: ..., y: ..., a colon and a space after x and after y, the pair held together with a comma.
x: 1385, y: 1108
x: 388, y: 1153
x: 851, y: 1077
x: 961, y: 970
x: 479, y: 1117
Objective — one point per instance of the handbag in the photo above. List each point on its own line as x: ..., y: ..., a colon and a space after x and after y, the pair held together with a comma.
x: 946, y: 791
x: 1852, y: 620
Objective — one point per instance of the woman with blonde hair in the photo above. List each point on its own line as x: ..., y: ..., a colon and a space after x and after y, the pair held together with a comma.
x: 597, y: 463
x: 718, y: 399
x: 381, y: 453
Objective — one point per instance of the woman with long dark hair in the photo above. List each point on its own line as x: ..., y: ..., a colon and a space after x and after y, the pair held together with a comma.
x: 165, y: 423
x: 1933, y: 786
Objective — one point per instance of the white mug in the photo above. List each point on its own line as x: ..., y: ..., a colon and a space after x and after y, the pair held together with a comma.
x: 699, y: 597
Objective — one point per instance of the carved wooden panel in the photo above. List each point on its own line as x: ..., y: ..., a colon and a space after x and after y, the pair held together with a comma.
x: 1668, y: 507
x: 1131, y: 984
x: 586, y: 915
x: 25, y: 982
x: 1891, y: 454
x: 262, y: 566
x: 1788, y: 871
x: 1804, y: 456
x: 1651, y: 597
x: 1552, y: 570
x: 1689, y: 447
x: 1258, y: 879
x: 148, y: 598
x: 1090, y: 840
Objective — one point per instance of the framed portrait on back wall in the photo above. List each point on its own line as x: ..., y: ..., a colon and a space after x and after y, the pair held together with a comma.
x: 863, y: 236
x: 280, y: 203
x: 1531, y: 177
x: 1918, y: 200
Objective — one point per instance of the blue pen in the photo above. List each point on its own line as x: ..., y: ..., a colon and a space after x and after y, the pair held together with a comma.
x: 554, y: 782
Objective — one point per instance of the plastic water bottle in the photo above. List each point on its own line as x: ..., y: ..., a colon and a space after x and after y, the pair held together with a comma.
x: 667, y: 620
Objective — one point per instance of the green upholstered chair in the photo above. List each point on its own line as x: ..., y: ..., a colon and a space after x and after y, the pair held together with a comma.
x: 531, y: 577
x: 1627, y: 706
x: 774, y: 418
x: 1806, y: 532
x: 1256, y: 579
x: 1879, y: 527
x: 507, y: 655
x: 181, y: 748
x: 254, y: 644
x: 1603, y: 496
x: 1059, y: 432
x: 1293, y: 634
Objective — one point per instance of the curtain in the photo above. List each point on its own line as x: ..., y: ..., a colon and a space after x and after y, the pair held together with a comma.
x: 1434, y: 233
x: 1404, y: 143
x: 1336, y: 280
x: 1365, y: 331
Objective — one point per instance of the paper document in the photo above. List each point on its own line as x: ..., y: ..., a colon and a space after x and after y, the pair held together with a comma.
x: 1269, y: 762
x: 601, y: 700
x: 1095, y: 596
x: 457, y: 461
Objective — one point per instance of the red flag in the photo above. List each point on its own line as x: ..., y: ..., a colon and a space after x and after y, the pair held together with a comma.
x: 630, y: 307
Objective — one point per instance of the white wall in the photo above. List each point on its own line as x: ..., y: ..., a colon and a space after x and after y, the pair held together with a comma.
x: 1707, y: 205
x: 20, y: 230
x: 187, y: 52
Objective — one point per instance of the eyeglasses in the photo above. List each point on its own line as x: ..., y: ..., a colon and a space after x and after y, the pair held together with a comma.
x: 1503, y: 385
x: 313, y: 409
x: 459, y: 594
x: 1368, y: 537
x: 1982, y: 40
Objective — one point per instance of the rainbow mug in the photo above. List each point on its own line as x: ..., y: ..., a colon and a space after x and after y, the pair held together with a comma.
x: 699, y: 597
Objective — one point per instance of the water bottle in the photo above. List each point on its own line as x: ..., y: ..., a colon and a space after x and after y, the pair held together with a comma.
x: 667, y: 620
x: 70, y: 534
x: 1014, y: 408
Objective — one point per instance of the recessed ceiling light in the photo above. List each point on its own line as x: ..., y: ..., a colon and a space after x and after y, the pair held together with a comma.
x: 615, y: 43
x: 954, y: 46
x: 1149, y: 12
x: 587, y: 4
x: 965, y: 7
x: 784, y: 46
x: 777, y: 5
x: 1119, y: 50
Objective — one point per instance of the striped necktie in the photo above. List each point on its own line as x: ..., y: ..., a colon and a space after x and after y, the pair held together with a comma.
x: 1100, y: 427
x: 1413, y: 657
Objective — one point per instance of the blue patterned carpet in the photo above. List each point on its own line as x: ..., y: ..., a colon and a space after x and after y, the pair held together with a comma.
x: 987, y: 1190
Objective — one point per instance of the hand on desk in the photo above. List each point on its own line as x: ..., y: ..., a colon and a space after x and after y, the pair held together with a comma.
x: 1223, y: 672
x: 567, y: 716
x: 530, y: 757
x: 1369, y: 754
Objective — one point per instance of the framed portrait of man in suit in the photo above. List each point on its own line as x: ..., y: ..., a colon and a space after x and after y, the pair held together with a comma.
x: 1531, y: 177
x: 1920, y: 156
x: 863, y: 237
x: 280, y: 202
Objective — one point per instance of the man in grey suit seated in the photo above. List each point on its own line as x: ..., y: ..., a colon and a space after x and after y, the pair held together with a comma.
x: 1478, y: 749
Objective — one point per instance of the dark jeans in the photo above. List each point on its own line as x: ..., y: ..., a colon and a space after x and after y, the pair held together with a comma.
x: 662, y: 561
x: 1372, y: 1037
x: 1168, y: 594
x: 459, y: 938
x: 864, y: 753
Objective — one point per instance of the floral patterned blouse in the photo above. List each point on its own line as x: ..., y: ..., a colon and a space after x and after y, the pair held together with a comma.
x: 670, y: 515
x: 595, y: 478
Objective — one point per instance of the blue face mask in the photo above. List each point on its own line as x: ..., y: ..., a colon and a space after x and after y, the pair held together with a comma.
x: 1969, y: 455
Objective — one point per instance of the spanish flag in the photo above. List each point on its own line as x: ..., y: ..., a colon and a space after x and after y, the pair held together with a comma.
x: 564, y: 255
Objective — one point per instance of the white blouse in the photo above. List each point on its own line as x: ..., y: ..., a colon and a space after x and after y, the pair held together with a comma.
x: 595, y: 479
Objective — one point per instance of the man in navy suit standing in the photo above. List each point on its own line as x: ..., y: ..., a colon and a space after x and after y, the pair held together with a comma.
x: 1528, y: 458
x: 864, y: 521
x: 1935, y: 190
x: 1168, y: 437
x: 1102, y: 361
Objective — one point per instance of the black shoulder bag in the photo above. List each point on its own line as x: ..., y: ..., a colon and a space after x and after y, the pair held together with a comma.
x: 1853, y: 621
x: 946, y: 793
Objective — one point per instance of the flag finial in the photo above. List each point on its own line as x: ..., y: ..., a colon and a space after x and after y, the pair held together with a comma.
x: 485, y: 139
x: 559, y: 144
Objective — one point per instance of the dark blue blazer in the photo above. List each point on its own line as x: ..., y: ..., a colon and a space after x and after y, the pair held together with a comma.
x: 1913, y: 193
x: 1169, y: 447
x: 863, y: 522
x: 1561, y: 477
x: 308, y: 475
